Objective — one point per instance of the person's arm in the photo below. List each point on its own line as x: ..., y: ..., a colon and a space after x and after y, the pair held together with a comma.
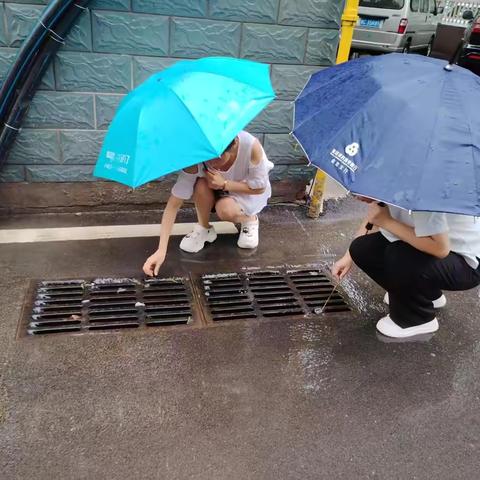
x: 437, y: 245
x: 155, y: 261
x: 217, y: 182
x: 342, y: 267
x: 168, y: 220
x: 183, y: 189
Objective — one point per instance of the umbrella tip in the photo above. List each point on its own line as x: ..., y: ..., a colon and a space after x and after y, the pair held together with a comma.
x: 448, y: 67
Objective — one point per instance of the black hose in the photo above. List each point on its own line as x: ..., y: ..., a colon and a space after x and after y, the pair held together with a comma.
x: 26, y: 55
x: 36, y: 71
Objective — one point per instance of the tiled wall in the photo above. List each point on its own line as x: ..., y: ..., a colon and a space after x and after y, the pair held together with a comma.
x: 117, y: 44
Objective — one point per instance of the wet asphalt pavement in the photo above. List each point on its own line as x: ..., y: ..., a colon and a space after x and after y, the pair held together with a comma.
x: 305, y: 398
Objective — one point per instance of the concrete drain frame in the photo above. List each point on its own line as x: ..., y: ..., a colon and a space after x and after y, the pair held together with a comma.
x: 114, y: 305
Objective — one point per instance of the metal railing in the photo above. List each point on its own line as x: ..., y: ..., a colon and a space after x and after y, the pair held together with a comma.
x: 452, y: 15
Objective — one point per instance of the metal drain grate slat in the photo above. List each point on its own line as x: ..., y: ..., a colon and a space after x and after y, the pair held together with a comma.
x: 165, y: 304
x: 315, y: 289
x: 270, y: 294
x: 227, y: 297
x: 108, y: 304
x: 273, y: 295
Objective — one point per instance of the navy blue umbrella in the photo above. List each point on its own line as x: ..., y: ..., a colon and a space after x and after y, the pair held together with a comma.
x: 397, y: 128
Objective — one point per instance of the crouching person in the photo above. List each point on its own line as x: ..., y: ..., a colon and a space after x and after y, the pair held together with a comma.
x: 236, y: 185
x: 415, y: 257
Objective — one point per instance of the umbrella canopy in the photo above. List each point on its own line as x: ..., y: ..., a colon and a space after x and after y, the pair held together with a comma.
x: 182, y: 116
x: 397, y: 128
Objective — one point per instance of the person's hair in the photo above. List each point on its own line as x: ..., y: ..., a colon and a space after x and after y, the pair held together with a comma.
x: 230, y: 146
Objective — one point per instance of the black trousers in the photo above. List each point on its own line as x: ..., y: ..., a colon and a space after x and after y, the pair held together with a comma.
x: 412, y: 278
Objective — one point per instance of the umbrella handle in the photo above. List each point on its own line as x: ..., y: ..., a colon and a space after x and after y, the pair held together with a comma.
x: 369, y: 226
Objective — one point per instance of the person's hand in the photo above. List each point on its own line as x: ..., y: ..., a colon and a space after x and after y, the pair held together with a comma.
x: 378, y: 215
x: 215, y: 180
x: 342, y: 267
x: 153, y: 263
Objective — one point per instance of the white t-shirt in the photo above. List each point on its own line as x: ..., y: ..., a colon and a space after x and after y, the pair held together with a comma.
x: 242, y: 170
x: 463, y: 231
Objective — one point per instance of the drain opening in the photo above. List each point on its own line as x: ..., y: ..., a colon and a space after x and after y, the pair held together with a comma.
x: 316, y: 288
x: 81, y: 306
x: 227, y: 297
x: 270, y: 294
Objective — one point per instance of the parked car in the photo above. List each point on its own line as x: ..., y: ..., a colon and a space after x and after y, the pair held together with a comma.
x: 395, y: 26
x: 469, y: 56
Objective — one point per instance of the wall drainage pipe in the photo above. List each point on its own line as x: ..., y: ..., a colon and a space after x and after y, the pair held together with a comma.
x: 26, y: 55
x: 25, y: 85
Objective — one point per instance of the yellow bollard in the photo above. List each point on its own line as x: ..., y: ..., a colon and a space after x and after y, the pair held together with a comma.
x: 349, y: 20
x: 316, y: 200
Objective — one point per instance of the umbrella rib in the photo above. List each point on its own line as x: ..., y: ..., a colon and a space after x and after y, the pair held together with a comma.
x: 422, y: 176
x: 142, y: 181
x: 195, y: 120
x: 333, y: 79
x: 246, y: 82
x: 359, y: 110
x: 353, y: 117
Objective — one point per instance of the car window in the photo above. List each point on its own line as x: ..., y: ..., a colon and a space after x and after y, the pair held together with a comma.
x: 389, y: 4
x: 433, y: 6
x: 414, y: 5
x: 424, y: 6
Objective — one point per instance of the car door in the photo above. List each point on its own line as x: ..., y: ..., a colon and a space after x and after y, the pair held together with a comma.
x: 423, y: 26
x: 429, y: 9
x: 416, y: 21
x: 424, y: 29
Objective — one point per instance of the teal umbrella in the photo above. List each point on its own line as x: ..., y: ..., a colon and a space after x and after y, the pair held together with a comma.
x: 182, y: 116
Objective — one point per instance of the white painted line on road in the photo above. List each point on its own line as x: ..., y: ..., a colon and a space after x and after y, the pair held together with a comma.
x: 34, y: 235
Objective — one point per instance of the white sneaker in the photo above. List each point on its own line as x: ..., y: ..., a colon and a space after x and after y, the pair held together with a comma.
x: 195, y: 241
x: 249, y: 235
x: 440, y: 302
x: 389, y: 328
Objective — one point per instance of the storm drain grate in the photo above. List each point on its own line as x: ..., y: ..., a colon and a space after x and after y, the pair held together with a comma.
x: 108, y: 304
x: 270, y: 294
